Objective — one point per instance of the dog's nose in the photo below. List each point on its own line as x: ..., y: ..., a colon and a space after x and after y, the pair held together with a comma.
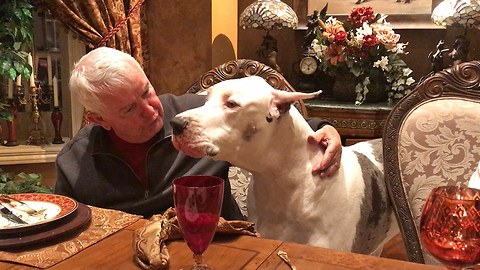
x: 178, y: 125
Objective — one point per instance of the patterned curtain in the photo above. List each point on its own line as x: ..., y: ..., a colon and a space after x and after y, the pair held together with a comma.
x: 112, y: 23
x: 118, y: 24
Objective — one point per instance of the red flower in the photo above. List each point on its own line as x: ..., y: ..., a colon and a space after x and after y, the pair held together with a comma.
x: 360, y: 15
x: 340, y: 37
x: 362, y: 55
x: 369, y: 41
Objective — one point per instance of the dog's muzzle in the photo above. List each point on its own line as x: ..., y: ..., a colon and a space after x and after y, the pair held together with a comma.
x: 178, y: 125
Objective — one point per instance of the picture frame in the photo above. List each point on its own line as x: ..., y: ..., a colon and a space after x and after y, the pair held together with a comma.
x: 400, y: 16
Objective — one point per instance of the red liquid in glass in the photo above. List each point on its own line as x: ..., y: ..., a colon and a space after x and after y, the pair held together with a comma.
x: 198, y: 228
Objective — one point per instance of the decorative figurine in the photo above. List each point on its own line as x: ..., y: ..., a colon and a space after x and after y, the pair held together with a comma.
x: 460, y: 50
x: 437, y: 57
x: 314, y: 23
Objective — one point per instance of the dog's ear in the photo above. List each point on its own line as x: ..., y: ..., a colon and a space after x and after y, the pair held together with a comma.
x: 282, y: 100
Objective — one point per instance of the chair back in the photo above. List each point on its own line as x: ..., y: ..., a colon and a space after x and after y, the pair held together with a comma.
x: 241, y: 68
x: 431, y: 138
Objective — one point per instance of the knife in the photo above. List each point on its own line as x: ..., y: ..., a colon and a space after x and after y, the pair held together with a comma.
x: 6, y: 213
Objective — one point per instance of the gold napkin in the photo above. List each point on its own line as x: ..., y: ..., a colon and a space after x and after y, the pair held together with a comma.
x: 149, y: 241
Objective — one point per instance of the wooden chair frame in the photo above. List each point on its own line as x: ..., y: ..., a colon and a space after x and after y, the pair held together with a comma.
x: 244, y: 68
x: 462, y: 81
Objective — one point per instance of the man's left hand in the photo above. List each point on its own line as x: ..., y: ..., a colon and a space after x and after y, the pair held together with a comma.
x: 328, y: 137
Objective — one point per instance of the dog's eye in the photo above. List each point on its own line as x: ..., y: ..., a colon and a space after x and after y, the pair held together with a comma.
x: 231, y: 104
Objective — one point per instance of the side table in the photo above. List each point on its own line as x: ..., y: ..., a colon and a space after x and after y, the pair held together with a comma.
x: 354, y: 123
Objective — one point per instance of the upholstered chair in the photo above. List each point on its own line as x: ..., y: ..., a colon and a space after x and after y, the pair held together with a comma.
x: 431, y: 138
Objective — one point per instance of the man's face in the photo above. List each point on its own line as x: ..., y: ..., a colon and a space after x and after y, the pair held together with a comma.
x: 136, y: 114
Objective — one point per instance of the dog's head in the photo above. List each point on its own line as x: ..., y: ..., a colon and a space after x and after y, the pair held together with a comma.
x: 236, y: 112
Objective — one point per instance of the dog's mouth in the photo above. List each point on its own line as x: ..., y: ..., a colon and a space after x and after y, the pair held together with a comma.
x: 196, y: 150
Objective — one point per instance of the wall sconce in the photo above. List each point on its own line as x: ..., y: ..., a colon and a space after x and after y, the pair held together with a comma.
x: 267, y: 15
x: 464, y: 13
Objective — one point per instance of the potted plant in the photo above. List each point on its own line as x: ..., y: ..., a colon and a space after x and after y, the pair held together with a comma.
x: 16, y: 38
x: 363, y: 54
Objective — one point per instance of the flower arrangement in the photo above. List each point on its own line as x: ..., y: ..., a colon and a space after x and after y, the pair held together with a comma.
x: 367, y: 47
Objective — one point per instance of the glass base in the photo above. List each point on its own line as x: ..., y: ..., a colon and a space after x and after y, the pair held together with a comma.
x: 198, y: 267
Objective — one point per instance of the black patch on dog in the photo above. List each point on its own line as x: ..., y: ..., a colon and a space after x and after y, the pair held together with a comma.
x: 249, y: 132
x: 375, y: 211
x: 269, y: 119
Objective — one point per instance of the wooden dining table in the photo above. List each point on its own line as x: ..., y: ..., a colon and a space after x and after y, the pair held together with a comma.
x: 226, y: 252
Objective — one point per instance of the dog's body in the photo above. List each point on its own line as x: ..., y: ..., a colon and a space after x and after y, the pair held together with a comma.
x: 248, y: 123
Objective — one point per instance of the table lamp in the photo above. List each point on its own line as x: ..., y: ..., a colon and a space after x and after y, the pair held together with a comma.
x: 267, y: 15
x: 464, y: 13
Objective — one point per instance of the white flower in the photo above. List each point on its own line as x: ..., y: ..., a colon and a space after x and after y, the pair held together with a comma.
x: 381, y: 63
x: 332, y: 20
x: 407, y: 71
x: 400, y: 48
x: 410, y: 80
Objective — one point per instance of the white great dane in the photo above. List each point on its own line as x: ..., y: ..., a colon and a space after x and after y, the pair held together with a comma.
x: 253, y: 126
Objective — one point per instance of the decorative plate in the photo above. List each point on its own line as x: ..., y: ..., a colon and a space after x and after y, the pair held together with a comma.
x: 67, y: 226
x: 52, y: 207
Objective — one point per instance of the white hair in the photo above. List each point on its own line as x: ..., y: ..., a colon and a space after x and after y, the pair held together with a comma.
x: 103, y: 71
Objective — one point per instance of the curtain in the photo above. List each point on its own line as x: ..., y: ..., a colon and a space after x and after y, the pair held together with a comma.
x: 112, y: 23
x: 118, y: 24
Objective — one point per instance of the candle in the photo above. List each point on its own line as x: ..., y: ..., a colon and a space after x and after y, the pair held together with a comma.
x: 32, y: 76
x: 19, y: 80
x: 49, y: 69
x: 55, y: 92
x: 10, y: 88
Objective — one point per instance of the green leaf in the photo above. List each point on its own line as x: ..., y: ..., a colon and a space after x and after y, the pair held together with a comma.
x: 17, y: 45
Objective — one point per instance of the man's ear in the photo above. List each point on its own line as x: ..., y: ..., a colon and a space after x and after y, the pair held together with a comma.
x: 97, y: 119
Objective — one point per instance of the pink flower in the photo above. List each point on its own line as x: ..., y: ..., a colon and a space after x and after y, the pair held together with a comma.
x: 385, y: 35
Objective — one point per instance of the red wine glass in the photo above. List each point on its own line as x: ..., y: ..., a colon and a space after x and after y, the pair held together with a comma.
x: 450, y: 226
x: 198, y: 202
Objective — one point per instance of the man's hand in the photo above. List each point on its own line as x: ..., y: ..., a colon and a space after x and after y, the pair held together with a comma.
x: 328, y: 137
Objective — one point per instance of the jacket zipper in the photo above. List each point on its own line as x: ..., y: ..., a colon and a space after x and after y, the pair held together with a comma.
x: 147, y: 191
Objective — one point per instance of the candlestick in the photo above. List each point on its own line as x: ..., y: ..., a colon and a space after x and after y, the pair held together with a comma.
x: 57, y: 118
x: 49, y: 69
x: 32, y: 76
x: 19, y: 80
x: 36, y: 135
x: 10, y: 89
x: 55, y: 92
x: 12, y: 138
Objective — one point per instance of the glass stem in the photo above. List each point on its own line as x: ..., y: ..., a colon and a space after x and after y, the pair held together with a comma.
x: 198, y: 259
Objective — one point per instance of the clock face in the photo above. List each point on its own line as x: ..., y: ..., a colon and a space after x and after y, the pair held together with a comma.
x: 308, y: 65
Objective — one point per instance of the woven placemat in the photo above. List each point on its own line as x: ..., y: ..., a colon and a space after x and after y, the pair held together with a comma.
x: 104, y: 222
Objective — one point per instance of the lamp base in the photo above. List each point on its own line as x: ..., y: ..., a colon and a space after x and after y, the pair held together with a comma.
x: 268, y: 51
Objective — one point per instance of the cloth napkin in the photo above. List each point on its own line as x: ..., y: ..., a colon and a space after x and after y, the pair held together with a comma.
x: 149, y: 241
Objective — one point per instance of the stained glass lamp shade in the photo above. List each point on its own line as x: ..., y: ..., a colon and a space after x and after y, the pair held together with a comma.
x: 465, y: 13
x: 267, y: 15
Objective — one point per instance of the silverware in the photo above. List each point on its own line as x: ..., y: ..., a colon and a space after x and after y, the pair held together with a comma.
x: 283, y: 255
x: 6, y: 213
